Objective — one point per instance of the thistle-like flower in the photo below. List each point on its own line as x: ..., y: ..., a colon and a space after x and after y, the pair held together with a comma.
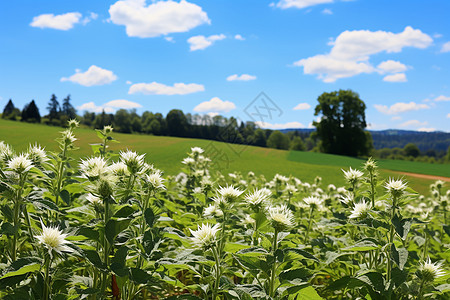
x: 73, y: 123
x: 134, y: 162
x: 314, y: 203
x: 259, y: 198
x: 107, y: 129
x: 370, y: 165
x: 20, y: 164
x: 205, y: 236
x: 6, y: 152
x: 331, y: 188
x: 68, y: 137
x: 353, y: 176
x: 230, y: 193
x: 281, y: 217
x: 156, y: 180
x: 347, y: 198
x: 119, y: 169
x: 188, y: 161
x: 212, y: 211
x: 395, y: 187
x: 94, y: 200
x: 93, y: 168
x: 37, y: 154
x: 360, y: 210
x: 197, y: 150
x: 54, y: 240
x: 429, y: 271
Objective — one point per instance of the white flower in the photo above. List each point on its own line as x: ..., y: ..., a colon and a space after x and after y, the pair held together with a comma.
x: 331, y: 188
x: 68, y: 137
x: 370, y: 165
x: 37, y: 154
x: 230, y: 193
x: 347, y: 198
x: 93, y: 167
x: 258, y: 198
x: 197, y: 150
x: 205, y: 235
x: 353, y: 176
x: 360, y: 210
x: 94, y: 200
x: 212, y: 211
x: 281, y: 217
x: 290, y: 189
x: 202, y: 159
x: 430, y: 271
x: 313, y: 202
x: 341, y: 190
x: 197, y: 190
x: 156, y: 180
x: 439, y: 184
x: 250, y: 174
x: 20, y: 164
x: 134, y: 162
x: 280, y: 178
x: 53, y: 239
x: 73, y: 123
x: 119, y: 169
x: 107, y: 129
x: 395, y: 187
x: 188, y: 161
x: 6, y: 152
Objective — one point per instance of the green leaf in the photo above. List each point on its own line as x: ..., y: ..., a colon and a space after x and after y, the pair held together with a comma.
x: 94, y: 258
x: 402, y: 226
x: 301, y: 252
x: 8, y: 229
x: 307, y: 293
x: 345, y: 282
x: 400, y: 256
x: 118, y: 262
x: 149, y: 217
x: 65, y: 196
x: 234, y: 247
x: 25, y: 269
x: 90, y: 233
x: 363, y: 245
x: 300, y: 273
x: 443, y: 288
x: 100, y: 134
x: 374, y: 279
x: 139, y: 276
x: 114, y: 227
x: 184, y: 297
x: 124, y: 212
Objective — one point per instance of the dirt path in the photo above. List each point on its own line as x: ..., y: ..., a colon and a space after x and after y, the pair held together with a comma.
x: 424, y: 176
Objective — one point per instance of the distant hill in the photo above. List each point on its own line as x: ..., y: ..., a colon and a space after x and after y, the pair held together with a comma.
x: 391, y: 138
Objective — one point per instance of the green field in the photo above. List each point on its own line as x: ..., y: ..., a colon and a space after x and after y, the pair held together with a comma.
x: 166, y: 153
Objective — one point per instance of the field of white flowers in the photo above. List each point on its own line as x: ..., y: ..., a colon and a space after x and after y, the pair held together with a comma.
x: 111, y: 226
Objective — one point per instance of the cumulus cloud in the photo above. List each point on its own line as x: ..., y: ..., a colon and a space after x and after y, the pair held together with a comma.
x: 399, y: 77
x: 327, y: 11
x: 155, y: 88
x: 60, y: 22
x: 400, y: 107
x: 391, y: 66
x: 284, y: 4
x: 426, y: 129
x: 93, y: 76
x: 413, y: 124
x: 89, y: 18
x: 446, y: 47
x: 442, y: 98
x: 279, y: 126
x: 243, y: 77
x: 215, y: 105
x: 200, y: 42
x: 239, y: 37
x: 302, y: 106
x: 351, y: 52
x: 158, y: 18
x: 109, y: 107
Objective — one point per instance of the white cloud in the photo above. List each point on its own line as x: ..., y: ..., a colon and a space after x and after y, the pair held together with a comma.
x: 284, y: 4
x: 399, y: 77
x: 351, y: 52
x: 279, y: 126
x: 169, y: 39
x: 87, y: 19
x: 448, y: 115
x: 442, y: 98
x: 243, y: 77
x: 413, y: 123
x: 60, y: 22
x: 200, y: 42
x: 239, y: 37
x: 391, y: 66
x: 400, y: 107
x: 157, y: 18
x: 129, y: 82
x: 155, y: 88
x: 215, y: 105
x: 396, y: 118
x: 302, y: 106
x: 93, y: 76
x: 327, y: 11
x: 426, y: 129
x: 109, y: 107
x: 446, y: 47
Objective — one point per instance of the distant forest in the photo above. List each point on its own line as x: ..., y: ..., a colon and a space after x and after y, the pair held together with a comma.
x: 388, y: 144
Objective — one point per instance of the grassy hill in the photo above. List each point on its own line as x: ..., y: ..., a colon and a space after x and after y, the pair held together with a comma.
x: 167, y: 152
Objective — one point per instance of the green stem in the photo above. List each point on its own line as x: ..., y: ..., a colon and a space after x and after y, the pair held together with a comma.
x: 103, y: 154
x: 218, y: 273
x: 274, y: 266
x: 391, y: 240
x: 60, y: 174
x: 309, y: 225
x: 17, y: 206
x: 106, y: 250
x: 47, y: 287
x: 373, y: 190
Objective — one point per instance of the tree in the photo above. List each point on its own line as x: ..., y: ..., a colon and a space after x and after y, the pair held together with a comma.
x: 411, y: 150
x: 297, y: 144
x: 68, y: 109
x: 9, y: 109
x: 30, y: 113
x: 176, y: 123
x: 53, y: 108
x: 342, y: 123
x: 278, y: 140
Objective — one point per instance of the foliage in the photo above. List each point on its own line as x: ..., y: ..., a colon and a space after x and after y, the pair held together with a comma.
x: 112, y: 226
x: 30, y: 113
x: 278, y: 140
x: 342, y: 123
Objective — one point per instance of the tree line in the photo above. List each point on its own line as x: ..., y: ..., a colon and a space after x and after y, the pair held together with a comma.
x: 340, y: 129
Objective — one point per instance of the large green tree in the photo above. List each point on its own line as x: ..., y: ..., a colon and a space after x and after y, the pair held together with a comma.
x: 30, y: 113
x: 53, y: 108
x: 342, y: 123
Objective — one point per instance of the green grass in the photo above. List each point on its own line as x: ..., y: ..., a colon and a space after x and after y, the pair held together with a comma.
x: 166, y: 153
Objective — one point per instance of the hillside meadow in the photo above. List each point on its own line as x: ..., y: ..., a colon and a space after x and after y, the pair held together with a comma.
x: 167, y: 152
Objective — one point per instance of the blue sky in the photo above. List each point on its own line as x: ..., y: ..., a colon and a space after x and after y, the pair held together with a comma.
x: 215, y: 57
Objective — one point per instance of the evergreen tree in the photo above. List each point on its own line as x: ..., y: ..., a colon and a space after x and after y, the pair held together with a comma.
x: 9, y: 109
x: 53, y: 108
x: 68, y: 109
x: 30, y: 113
